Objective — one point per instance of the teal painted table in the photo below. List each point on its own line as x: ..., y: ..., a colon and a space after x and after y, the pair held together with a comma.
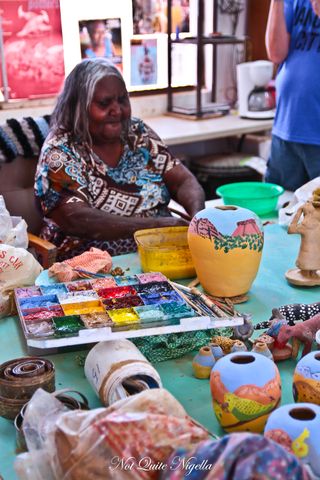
x: 270, y: 289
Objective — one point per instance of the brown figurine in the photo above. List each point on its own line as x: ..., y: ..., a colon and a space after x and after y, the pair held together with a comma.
x: 303, y: 332
x: 306, y: 222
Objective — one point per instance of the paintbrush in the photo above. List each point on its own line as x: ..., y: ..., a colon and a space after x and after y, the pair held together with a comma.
x: 185, y: 216
x: 186, y: 298
x: 87, y: 274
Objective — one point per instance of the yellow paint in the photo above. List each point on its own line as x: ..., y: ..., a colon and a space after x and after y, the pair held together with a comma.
x: 82, y: 308
x: 299, y: 447
x: 165, y: 250
x: 224, y: 274
x: 123, y: 316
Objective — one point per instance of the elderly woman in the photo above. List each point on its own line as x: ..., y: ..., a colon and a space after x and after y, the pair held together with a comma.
x: 102, y: 174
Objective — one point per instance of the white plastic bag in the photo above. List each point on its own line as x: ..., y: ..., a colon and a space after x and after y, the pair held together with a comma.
x: 13, y: 230
x: 18, y: 268
x: 300, y: 196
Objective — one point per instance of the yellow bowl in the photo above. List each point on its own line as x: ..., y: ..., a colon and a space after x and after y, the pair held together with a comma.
x: 165, y: 250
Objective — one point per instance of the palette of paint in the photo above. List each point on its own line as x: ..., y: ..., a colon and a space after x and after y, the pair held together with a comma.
x: 119, y: 302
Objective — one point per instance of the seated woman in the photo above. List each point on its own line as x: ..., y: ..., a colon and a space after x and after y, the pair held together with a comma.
x: 102, y: 174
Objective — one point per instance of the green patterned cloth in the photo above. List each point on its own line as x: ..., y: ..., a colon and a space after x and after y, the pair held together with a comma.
x: 159, y: 348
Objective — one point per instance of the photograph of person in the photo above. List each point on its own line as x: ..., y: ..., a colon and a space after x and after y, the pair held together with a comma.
x: 144, y: 62
x: 151, y: 16
x: 101, y: 38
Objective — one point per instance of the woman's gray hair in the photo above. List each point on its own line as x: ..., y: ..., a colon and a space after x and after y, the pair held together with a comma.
x: 71, y: 111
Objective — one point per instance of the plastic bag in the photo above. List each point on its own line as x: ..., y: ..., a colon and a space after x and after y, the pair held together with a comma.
x: 299, y: 197
x: 128, y: 440
x: 18, y: 268
x: 13, y: 230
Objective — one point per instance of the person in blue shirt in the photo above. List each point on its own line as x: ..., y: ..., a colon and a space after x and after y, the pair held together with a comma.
x: 100, y: 40
x: 293, y: 42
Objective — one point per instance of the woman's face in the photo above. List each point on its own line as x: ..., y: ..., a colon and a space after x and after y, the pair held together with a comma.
x: 109, y: 110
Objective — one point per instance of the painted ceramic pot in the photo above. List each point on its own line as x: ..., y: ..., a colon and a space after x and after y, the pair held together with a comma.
x: 262, y: 348
x: 238, y: 346
x: 203, y: 363
x: 226, y: 246
x: 216, y: 350
x: 245, y: 389
x: 298, y: 426
x: 306, y: 379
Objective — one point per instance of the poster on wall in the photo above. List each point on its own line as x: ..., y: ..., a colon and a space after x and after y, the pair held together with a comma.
x: 144, y: 62
x: 150, y: 16
x: 101, y: 38
x: 33, y: 49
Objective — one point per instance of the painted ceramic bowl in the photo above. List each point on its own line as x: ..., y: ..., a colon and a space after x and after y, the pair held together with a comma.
x: 245, y: 388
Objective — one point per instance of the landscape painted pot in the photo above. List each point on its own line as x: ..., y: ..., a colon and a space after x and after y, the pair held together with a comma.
x: 245, y: 389
x: 296, y: 426
x: 306, y: 379
x: 226, y: 247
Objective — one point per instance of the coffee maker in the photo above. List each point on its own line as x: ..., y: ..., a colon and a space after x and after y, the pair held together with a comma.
x: 256, y: 99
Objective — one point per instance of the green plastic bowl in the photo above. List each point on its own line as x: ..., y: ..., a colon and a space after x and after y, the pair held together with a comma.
x: 261, y: 198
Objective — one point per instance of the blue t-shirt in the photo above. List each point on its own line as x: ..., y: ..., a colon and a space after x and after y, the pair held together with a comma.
x: 298, y: 80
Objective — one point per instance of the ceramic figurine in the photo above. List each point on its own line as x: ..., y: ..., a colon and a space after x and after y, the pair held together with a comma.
x: 245, y: 389
x: 293, y: 313
x: 306, y: 379
x: 203, y: 363
x: 303, y: 332
x: 238, y: 346
x: 262, y: 348
x: 243, y: 332
x: 216, y: 350
x: 306, y: 222
x: 300, y: 422
x: 226, y: 246
x: 224, y: 342
x: 280, y: 351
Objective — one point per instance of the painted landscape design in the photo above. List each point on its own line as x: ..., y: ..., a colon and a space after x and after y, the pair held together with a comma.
x: 246, y: 235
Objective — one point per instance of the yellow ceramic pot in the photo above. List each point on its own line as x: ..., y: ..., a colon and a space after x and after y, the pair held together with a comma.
x: 226, y: 247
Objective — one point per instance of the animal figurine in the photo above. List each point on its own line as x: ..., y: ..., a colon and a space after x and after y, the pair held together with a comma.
x: 292, y: 312
x: 304, y: 332
x: 225, y: 343
x: 244, y: 331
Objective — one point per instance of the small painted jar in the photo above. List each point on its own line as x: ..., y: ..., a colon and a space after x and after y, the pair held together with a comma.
x: 245, y: 389
x: 306, y: 379
x: 300, y: 422
x: 261, y: 347
x: 267, y: 339
x: 203, y: 363
x: 238, y: 346
x: 216, y: 350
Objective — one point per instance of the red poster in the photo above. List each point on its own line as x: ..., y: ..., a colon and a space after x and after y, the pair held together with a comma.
x: 33, y: 48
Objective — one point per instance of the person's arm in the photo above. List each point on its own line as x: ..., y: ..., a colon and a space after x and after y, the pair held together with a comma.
x: 185, y: 189
x: 81, y: 220
x: 277, y: 36
x: 294, y: 226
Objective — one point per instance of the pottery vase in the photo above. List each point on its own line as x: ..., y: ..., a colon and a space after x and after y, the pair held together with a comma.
x: 203, y: 363
x: 216, y: 350
x: 226, y: 246
x: 238, y: 346
x: 245, y: 389
x: 306, y: 379
x: 262, y: 349
x: 296, y: 427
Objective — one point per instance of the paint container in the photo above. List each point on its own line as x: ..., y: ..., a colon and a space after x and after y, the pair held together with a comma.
x: 101, y: 283
x: 123, y: 316
x: 117, y: 292
x: 112, y: 366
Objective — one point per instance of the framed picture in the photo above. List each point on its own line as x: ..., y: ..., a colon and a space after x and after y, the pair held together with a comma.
x: 151, y: 16
x: 32, y: 49
x: 144, y: 62
x: 101, y: 38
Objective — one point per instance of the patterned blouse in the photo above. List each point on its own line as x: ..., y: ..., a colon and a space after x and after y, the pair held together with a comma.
x: 71, y: 172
